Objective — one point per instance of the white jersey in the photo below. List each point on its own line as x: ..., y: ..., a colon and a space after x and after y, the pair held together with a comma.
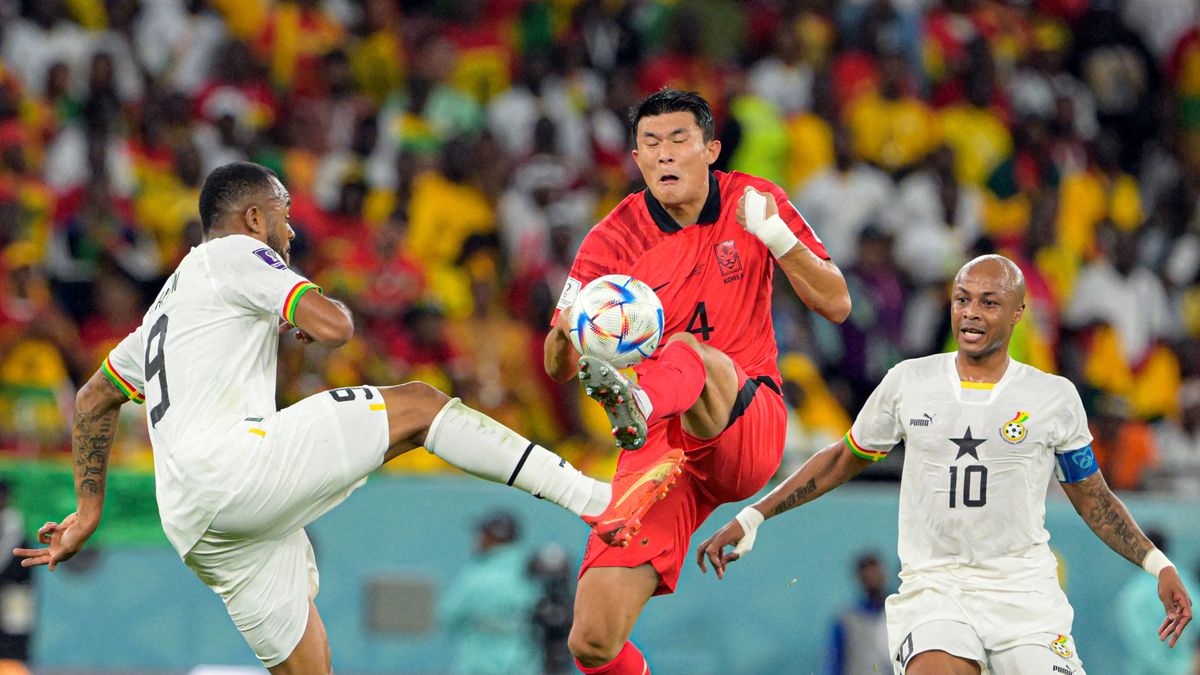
x: 978, y: 460
x: 203, y: 360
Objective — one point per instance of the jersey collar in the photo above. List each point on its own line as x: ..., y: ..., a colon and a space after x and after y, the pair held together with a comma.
x: 708, y: 214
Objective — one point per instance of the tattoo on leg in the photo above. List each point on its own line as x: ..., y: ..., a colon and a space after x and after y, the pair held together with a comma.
x: 796, y: 498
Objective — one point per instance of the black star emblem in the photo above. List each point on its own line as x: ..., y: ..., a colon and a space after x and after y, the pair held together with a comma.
x: 967, y: 445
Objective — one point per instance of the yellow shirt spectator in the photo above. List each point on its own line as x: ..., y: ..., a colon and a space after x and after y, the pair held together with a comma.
x: 1089, y: 197
x: 810, y: 148
x: 979, y: 138
x: 892, y: 133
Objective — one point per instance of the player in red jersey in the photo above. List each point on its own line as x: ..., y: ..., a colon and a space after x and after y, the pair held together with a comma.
x: 706, y: 407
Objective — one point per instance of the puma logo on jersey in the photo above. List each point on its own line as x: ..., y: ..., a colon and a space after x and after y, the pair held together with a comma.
x: 1064, y: 670
x: 923, y: 421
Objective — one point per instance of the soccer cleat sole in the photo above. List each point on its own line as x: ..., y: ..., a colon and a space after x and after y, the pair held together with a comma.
x: 619, y: 530
x: 603, y: 383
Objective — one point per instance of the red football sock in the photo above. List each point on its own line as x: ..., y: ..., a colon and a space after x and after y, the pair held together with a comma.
x: 673, y: 384
x: 629, y: 662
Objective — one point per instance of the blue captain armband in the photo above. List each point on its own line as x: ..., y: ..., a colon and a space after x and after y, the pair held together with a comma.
x: 1075, y: 465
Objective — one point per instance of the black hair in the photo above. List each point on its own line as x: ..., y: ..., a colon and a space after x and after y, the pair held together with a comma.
x: 229, y: 184
x: 666, y: 101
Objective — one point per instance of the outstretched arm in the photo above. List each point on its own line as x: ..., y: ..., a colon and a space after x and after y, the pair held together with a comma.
x: 560, y: 358
x: 92, y: 432
x: 1110, y: 520
x: 823, y: 472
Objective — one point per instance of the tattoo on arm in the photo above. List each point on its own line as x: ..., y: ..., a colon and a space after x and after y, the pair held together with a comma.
x: 92, y: 434
x: 1110, y: 520
x: 797, y: 497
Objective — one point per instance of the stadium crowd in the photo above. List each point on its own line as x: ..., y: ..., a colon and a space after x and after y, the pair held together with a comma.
x: 446, y: 157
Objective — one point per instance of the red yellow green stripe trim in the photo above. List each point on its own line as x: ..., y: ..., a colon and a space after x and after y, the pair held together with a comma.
x: 121, y: 383
x: 293, y: 299
x: 977, y: 385
x: 1021, y: 418
x: 873, y: 455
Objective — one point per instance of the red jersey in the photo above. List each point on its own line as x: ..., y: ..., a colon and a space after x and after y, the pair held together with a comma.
x: 713, y: 278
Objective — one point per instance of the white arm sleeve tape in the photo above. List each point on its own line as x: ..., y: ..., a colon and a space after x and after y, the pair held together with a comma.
x: 772, y: 231
x: 1155, y: 562
x: 749, y: 518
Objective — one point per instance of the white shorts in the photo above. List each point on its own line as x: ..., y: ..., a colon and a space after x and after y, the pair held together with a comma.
x: 307, y: 458
x: 1006, y: 632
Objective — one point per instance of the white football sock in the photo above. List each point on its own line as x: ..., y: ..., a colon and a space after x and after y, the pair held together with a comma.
x: 483, y: 447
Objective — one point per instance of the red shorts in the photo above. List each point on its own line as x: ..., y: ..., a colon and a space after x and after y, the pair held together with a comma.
x: 729, y: 468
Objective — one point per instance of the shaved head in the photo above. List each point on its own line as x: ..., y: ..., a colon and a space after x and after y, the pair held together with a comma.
x: 986, y: 303
x: 1007, y: 277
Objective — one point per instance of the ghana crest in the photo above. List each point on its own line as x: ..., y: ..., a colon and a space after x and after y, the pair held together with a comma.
x: 1014, y: 430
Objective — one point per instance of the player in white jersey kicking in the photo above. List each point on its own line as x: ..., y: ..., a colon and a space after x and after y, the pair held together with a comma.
x: 236, y: 479
x: 982, y: 434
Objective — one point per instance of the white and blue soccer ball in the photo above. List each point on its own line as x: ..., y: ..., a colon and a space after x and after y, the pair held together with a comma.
x: 618, y: 319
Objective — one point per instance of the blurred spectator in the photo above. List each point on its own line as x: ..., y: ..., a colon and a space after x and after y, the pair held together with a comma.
x: 974, y: 128
x: 1178, y: 442
x: 859, y: 643
x: 18, y: 613
x: 841, y: 200
x: 1101, y: 193
x: 178, y: 40
x: 810, y: 135
x: 293, y: 38
x: 936, y: 220
x: 553, y: 614
x: 41, y: 37
x: 1137, y: 606
x: 872, y: 335
x: 1041, y: 85
x: 1125, y: 447
x: 542, y: 93
x: 1120, y: 72
x: 783, y: 77
x: 892, y: 128
x: 754, y: 138
x: 1127, y: 307
x: 488, y: 609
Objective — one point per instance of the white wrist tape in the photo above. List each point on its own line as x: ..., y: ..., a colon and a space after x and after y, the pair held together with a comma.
x: 1155, y: 562
x: 749, y: 518
x: 772, y: 231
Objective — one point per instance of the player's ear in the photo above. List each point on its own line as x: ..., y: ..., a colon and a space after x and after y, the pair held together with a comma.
x: 712, y: 150
x: 1018, y: 314
x: 254, y: 217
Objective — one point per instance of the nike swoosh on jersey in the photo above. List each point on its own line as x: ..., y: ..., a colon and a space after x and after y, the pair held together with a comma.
x: 655, y: 289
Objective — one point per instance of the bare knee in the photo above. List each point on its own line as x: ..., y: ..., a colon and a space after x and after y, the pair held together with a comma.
x: 688, y: 339
x: 715, y: 360
x: 411, y: 408
x: 592, y: 647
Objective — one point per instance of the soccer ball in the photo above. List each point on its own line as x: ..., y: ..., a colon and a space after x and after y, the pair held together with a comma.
x: 618, y: 319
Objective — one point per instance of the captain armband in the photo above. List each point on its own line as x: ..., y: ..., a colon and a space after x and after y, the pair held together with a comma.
x: 1075, y: 465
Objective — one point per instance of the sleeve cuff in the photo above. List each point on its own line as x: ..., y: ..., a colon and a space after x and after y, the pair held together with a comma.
x: 121, y: 383
x: 293, y: 299
x: 872, y: 455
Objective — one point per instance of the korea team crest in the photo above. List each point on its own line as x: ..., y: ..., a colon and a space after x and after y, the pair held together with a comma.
x: 728, y: 260
x: 1062, y: 646
x: 1014, y: 430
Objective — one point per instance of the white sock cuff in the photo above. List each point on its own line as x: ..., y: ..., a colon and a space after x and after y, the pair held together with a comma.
x: 436, y: 425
